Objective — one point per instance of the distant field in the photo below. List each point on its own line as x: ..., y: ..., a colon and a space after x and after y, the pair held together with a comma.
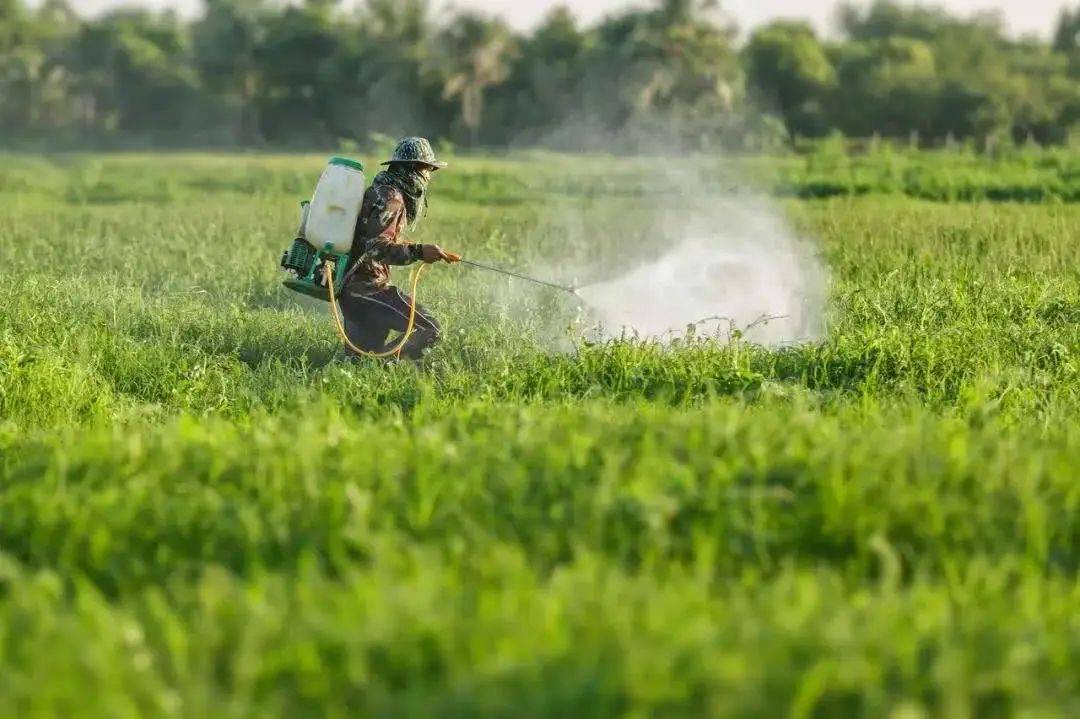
x: 203, y: 514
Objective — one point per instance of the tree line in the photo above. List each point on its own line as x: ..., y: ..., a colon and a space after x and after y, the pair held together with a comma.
x: 263, y: 73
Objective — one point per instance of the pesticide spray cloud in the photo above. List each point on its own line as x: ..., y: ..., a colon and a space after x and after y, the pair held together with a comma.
x: 733, y: 265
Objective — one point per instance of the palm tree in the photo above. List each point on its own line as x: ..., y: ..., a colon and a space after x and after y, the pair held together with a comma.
x: 474, y: 53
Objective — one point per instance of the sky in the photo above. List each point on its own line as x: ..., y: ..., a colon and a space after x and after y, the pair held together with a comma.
x: 1022, y: 16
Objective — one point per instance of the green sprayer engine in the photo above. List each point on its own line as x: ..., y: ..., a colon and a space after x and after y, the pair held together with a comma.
x: 327, y: 224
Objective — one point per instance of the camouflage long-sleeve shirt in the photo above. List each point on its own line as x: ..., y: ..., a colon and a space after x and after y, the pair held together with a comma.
x: 378, y: 242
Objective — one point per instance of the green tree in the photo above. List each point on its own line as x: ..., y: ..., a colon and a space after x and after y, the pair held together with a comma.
x: 672, y: 70
x: 474, y: 54
x: 387, y: 82
x: 227, y: 39
x: 885, y: 86
x: 540, y: 96
x: 1067, y: 38
x: 1040, y: 93
x: 790, y: 71
x: 314, y: 71
x: 297, y: 65
x: 884, y: 19
x: 35, y: 83
x: 985, y: 83
x: 1067, y: 32
x: 135, y: 71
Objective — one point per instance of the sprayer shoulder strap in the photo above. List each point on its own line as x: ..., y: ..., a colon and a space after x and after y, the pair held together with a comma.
x: 351, y: 272
x: 360, y: 242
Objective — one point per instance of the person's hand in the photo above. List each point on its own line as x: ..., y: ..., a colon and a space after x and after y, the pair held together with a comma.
x: 434, y: 253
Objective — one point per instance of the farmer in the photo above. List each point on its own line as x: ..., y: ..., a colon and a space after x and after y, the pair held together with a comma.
x: 372, y: 307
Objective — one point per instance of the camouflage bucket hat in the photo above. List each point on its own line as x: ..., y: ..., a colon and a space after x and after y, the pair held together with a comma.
x: 415, y: 149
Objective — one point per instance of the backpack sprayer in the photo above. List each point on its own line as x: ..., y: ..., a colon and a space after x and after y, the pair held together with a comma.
x: 318, y: 259
x: 325, y: 234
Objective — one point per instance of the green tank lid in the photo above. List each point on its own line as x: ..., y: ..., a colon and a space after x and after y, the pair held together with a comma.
x: 346, y: 162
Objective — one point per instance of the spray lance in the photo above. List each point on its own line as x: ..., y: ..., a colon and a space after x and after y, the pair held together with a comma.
x: 508, y: 273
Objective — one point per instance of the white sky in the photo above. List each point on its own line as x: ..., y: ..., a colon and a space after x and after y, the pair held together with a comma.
x: 1022, y: 16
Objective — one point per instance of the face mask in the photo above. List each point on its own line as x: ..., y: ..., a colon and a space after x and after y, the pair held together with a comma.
x: 424, y: 173
x: 412, y: 180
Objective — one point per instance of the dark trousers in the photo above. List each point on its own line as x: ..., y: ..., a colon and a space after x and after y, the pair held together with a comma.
x: 371, y: 316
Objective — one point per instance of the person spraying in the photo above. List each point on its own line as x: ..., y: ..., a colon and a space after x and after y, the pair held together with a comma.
x: 348, y: 239
x: 371, y: 306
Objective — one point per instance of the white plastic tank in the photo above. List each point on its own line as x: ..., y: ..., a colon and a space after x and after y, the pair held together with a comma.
x: 331, y: 217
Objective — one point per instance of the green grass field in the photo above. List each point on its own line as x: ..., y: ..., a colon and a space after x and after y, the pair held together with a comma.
x: 203, y: 514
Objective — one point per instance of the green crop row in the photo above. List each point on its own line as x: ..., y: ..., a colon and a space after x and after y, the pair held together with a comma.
x: 958, y: 176
x: 157, y: 311
x: 728, y: 485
